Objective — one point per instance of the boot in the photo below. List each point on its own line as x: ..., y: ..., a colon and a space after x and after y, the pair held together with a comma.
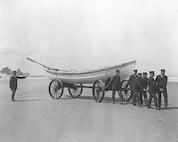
x: 166, y: 103
x: 113, y: 98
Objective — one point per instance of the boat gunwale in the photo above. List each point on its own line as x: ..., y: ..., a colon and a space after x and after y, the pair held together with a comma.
x: 52, y: 71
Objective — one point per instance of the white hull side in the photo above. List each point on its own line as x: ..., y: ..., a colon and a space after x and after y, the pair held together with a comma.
x: 89, y: 77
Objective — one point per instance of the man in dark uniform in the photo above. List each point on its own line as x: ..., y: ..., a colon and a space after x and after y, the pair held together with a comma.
x: 116, y: 86
x: 137, y: 88
x: 144, y: 83
x: 152, y: 90
x: 161, y: 81
x: 131, y: 82
x: 13, y: 84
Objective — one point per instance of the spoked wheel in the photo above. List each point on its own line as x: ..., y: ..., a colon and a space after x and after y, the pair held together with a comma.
x: 126, y: 91
x: 56, y: 89
x: 75, y: 91
x: 98, y: 90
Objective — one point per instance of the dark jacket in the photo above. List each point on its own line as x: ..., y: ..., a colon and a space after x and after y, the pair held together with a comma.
x: 131, y: 80
x: 116, y: 83
x: 13, y: 82
x: 137, y: 86
x: 152, y: 85
x: 144, y: 82
x: 161, y: 82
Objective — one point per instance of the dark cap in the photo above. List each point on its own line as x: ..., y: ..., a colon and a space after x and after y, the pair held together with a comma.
x: 144, y: 73
x: 139, y: 73
x: 14, y: 72
x: 117, y: 70
x: 135, y: 70
x: 152, y: 72
x: 163, y: 70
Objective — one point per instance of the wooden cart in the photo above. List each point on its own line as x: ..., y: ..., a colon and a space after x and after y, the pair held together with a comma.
x: 94, y: 79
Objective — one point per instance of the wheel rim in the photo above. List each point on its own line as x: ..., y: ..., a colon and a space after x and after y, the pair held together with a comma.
x: 56, y: 89
x: 124, y: 83
x: 98, y: 90
x: 76, y: 91
x: 126, y: 92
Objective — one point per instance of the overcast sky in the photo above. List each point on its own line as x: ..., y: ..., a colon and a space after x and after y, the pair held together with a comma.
x: 79, y: 34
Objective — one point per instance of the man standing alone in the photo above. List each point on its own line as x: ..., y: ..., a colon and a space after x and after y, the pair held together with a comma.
x: 13, y: 84
x: 161, y: 81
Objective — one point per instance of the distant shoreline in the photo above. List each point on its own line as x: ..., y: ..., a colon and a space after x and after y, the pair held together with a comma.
x: 33, y: 76
x: 171, y: 80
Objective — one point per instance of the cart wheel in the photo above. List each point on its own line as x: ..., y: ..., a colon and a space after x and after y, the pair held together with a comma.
x: 75, y: 91
x: 56, y: 89
x: 98, y: 90
x: 126, y: 91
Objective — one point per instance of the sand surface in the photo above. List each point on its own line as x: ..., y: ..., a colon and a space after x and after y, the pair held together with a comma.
x: 36, y: 117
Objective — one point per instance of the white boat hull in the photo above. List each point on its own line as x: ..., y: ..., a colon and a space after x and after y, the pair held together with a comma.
x: 89, y: 77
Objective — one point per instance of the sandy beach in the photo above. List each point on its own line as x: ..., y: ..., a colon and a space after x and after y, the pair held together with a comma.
x: 36, y: 117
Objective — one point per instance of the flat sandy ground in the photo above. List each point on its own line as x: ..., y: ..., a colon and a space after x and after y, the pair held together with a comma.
x: 36, y: 117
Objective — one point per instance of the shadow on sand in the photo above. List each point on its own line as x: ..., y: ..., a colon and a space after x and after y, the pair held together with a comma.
x: 163, y: 108
x: 109, y: 100
x: 82, y: 97
x: 105, y: 100
x: 169, y: 108
x: 90, y: 98
x: 36, y: 100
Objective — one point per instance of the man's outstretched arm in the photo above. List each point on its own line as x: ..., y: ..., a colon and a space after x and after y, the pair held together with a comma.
x: 21, y: 77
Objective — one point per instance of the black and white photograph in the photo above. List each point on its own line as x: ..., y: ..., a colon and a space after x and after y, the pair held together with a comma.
x: 88, y: 70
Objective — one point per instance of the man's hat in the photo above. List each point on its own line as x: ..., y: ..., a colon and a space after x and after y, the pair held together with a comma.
x: 117, y: 70
x: 152, y: 72
x: 139, y: 73
x: 163, y: 70
x: 144, y: 73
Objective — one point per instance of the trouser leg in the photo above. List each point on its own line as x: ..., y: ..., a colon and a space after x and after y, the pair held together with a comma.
x: 113, y: 97
x: 132, y: 94
x: 120, y: 96
x: 141, y: 99
x: 150, y: 100
x: 134, y: 97
x: 165, y: 99
x: 144, y: 95
x: 13, y: 93
x: 159, y: 99
x: 155, y: 100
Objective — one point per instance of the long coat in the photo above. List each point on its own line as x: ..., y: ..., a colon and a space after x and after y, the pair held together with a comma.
x: 137, y: 86
x: 144, y: 82
x: 116, y: 83
x: 161, y: 82
x: 131, y: 81
x: 13, y: 82
x: 152, y: 85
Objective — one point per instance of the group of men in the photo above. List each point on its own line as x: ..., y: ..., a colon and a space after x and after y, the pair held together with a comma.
x: 156, y: 87
x: 140, y: 84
